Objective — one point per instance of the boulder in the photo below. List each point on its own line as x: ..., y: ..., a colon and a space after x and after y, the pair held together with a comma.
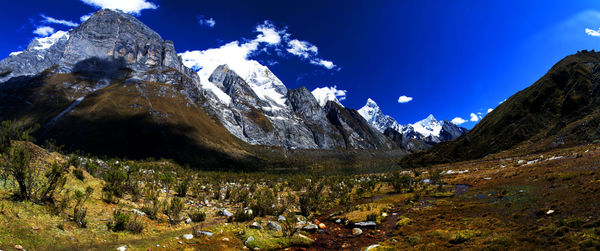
x: 310, y: 228
x: 204, y: 233
x: 274, y: 226
x: 225, y: 212
x: 255, y: 225
x: 356, y: 231
x: 366, y: 224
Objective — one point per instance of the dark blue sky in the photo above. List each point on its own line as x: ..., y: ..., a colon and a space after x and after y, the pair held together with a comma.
x: 453, y: 58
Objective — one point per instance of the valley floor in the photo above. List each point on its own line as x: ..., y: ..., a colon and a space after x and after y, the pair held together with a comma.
x: 543, y: 201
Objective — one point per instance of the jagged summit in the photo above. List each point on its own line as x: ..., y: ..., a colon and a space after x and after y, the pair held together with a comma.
x: 413, y: 137
x: 373, y: 114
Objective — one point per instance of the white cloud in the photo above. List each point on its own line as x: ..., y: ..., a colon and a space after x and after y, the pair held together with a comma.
x: 458, y: 121
x: 85, y: 17
x: 206, y: 21
x: 235, y: 54
x: 308, y: 51
x: 489, y: 110
x: 325, y: 94
x: 474, y: 117
x: 51, y: 20
x: 302, y: 48
x: 129, y: 6
x: 593, y: 33
x: 43, y: 31
x: 501, y: 101
x: 404, y: 99
x: 325, y: 63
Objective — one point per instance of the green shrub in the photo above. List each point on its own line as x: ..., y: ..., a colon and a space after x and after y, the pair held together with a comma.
x: 152, y: 210
x: 78, y: 174
x: 242, y: 215
x: 174, y: 210
x: 182, y: 188
x: 115, y: 179
x: 79, y: 211
x: 123, y: 221
x: 198, y: 216
x: 119, y: 221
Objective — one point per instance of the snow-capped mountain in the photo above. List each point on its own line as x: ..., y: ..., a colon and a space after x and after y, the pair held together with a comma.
x: 373, y: 114
x: 428, y: 131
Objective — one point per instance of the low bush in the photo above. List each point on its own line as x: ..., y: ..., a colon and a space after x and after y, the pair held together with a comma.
x: 198, y: 216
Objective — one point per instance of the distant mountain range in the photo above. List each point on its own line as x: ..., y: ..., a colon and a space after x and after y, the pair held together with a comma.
x: 412, y: 137
x: 113, y: 86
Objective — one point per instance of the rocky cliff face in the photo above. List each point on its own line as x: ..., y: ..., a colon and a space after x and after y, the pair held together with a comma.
x: 357, y: 133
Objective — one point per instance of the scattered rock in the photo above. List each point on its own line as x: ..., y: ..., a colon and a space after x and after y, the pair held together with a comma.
x: 225, y: 239
x: 322, y: 226
x: 250, y: 239
x: 18, y: 247
x: 35, y: 228
x: 204, y: 233
x: 281, y: 218
x: 180, y: 242
x: 138, y: 212
x: 549, y: 212
x: 487, y: 178
x: 346, y: 245
x: 122, y: 248
x: 188, y: 236
x: 255, y: 225
x: 356, y: 231
x: 310, y: 228
x: 225, y: 212
x: 384, y: 214
x: 188, y: 221
x: 366, y: 224
x: 274, y: 226
x: 372, y: 247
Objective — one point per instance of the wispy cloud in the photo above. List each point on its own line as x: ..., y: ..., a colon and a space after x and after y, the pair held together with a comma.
x: 51, y: 20
x: 43, y: 31
x: 308, y: 51
x: 474, y: 117
x: 404, y: 99
x: 129, y: 6
x: 85, y: 17
x: 206, y: 21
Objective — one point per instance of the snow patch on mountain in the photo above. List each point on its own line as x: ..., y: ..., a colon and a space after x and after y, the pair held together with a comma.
x: 325, y: 94
x: 47, y: 42
x: 428, y: 127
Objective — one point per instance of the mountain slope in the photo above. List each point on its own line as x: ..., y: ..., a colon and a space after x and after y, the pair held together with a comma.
x: 560, y: 109
x: 114, y: 87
